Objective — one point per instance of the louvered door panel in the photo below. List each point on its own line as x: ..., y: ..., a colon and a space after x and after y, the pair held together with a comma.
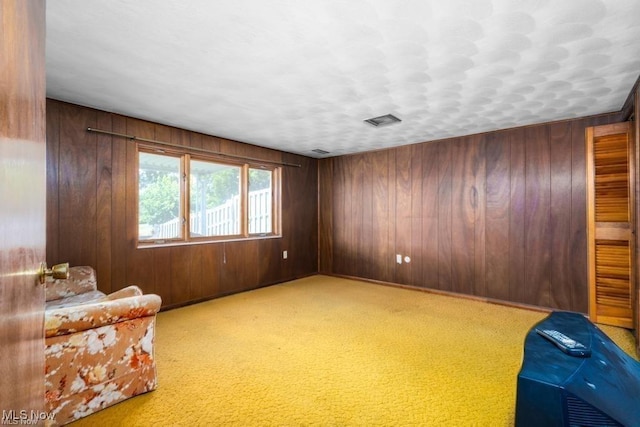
x: 610, y: 233
x: 613, y: 278
x: 611, y: 159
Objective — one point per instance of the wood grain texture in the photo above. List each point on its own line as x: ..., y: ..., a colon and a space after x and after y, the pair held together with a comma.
x: 53, y: 199
x: 22, y: 214
x: 560, y: 220
x: 517, y: 254
x: 96, y: 175
x: 340, y: 242
x: 537, y: 216
x: 430, y: 211
x: 578, y: 266
x: 479, y: 198
x: 360, y: 196
x: 462, y: 216
x: 415, y: 251
x: 325, y: 219
x: 77, y: 163
x: 496, y: 215
x: 610, y: 237
x: 403, y: 213
x: 366, y: 242
x: 636, y: 138
x: 300, y: 211
x: 498, y: 203
x: 104, y: 196
x: 379, y: 174
x: 445, y: 208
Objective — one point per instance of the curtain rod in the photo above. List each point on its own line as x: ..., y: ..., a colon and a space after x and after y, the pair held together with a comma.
x: 184, y: 147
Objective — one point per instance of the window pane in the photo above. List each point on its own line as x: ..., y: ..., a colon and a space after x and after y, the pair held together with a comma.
x: 159, y: 197
x: 215, y: 199
x: 260, y: 212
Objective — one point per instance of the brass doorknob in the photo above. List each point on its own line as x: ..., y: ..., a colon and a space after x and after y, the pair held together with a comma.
x: 58, y: 271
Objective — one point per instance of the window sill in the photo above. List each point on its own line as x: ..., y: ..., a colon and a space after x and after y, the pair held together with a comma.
x: 171, y: 243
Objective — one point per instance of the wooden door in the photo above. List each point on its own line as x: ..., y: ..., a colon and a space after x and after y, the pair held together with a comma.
x: 611, y: 242
x: 22, y: 208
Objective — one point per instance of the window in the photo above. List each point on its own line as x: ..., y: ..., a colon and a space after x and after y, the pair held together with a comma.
x: 184, y: 197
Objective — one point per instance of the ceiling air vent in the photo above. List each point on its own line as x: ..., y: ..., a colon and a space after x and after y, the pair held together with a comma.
x: 386, y: 120
x: 319, y: 151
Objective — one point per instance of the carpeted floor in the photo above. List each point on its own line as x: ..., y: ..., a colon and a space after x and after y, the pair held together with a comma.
x: 326, y: 351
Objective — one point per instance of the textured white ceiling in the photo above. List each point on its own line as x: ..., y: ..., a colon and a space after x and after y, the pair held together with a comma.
x: 303, y: 74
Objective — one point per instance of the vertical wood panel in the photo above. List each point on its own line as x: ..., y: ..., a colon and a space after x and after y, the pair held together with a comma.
x: 77, y: 186
x: 339, y: 213
x: 196, y: 282
x: 462, y: 217
x: 444, y: 216
x: 161, y: 281
x: 269, y: 261
x: 430, y: 211
x: 302, y: 210
x: 179, y: 273
x: 517, y: 218
x: 381, y: 253
x: 53, y: 198
x: 366, y: 238
x: 299, y: 216
x: 403, y: 212
x: 391, y: 237
x: 561, y: 256
x: 579, y: 289
x: 480, y: 202
x: 210, y: 269
x: 325, y: 224
x: 239, y: 270
x: 498, y: 204
x: 359, y: 234
x: 416, y: 216
x: 537, y: 216
x: 104, y: 196
x: 349, y: 215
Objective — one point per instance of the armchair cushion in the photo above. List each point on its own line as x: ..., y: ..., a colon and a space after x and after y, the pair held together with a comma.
x: 82, y: 279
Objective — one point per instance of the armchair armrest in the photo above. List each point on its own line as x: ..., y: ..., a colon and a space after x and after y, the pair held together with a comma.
x: 68, y: 320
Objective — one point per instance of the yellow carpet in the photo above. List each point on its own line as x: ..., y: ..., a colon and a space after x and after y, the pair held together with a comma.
x: 333, y: 352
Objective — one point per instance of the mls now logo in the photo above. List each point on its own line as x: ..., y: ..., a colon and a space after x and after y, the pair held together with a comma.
x: 24, y: 417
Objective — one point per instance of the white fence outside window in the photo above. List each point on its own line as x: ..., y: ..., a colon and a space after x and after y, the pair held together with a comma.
x: 224, y: 220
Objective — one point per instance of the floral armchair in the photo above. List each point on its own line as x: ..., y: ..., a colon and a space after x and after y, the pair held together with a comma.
x: 99, y: 349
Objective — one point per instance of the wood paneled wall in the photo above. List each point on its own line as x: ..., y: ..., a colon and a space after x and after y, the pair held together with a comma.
x: 500, y: 215
x: 91, y: 213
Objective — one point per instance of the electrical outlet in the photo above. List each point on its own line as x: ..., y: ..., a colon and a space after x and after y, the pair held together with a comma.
x: 399, y: 258
x: 284, y: 255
